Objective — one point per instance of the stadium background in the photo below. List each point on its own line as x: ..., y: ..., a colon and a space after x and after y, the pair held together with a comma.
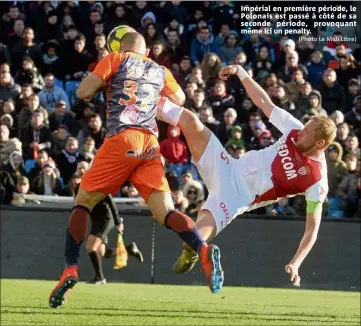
x: 48, y: 136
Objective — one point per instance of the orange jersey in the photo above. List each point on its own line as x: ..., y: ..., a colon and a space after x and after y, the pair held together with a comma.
x: 135, y: 83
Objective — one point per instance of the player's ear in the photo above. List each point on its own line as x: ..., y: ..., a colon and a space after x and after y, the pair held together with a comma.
x: 147, y: 51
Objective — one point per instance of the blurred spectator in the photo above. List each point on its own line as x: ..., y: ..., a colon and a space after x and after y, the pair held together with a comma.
x: 343, y: 130
x: 353, y: 118
x: 265, y: 139
x: 87, y: 151
x: 337, y: 117
x: 29, y: 74
x: 331, y: 46
x: 8, y: 120
x: 94, y: 130
x: 173, y: 9
x: 148, y: 18
x: 151, y: 35
x: 58, y: 139
x: 180, y: 202
x: 26, y: 92
x: 302, y: 100
x: 316, y: 67
x: 51, y: 30
x: 219, y: 100
x: 346, y: 71
x: 175, y: 151
x: 196, y: 77
x: 62, y: 116
x: 7, y: 145
x: 286, y: 47
x: 207, y: 118
x: 336, y: 168
x: 69, y: 189
x: 294, y: 86
x: 305, y: 48
x: 174, y: 49
x: 252, y: 131
x: 77, y: 60
x: 32, y: 105
x: 159, y: 54
x: 252, y: 45
x: 347, y: 189
x: 332, y: 92
x: 68, y: 158
x: 7, y: 187
x: 174, y: 25
x: 262, y: 64
x: 8, y: 90
x: 230, y: 49
x: 224, y: 129
x: 203, y: 43
x: 22, y: 188
x: 15, y: 166
x: 292, y: 63
x: 236, y: 138
x: 199, y: 102
x: 315, y: 102
x: 50, y: 61
x: 81, y: 167
x: 25, y: 47
x: 193, y: 195
x: 352, y: 145
x: 353, y: 89
x: 35, y: 137
x: 17, y: 31
x: 210, y: 66
x: 42, y: 157
x: 47, y: 183
x: 281, y: 208
x: 52, y: 94
x: 184, y: 70
x: 281, y: 99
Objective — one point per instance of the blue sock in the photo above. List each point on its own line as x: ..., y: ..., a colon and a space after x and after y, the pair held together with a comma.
x: 75, y: 234
x: 185, y: 227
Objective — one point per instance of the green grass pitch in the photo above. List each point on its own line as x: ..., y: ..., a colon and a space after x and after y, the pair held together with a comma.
x: 25, y: 302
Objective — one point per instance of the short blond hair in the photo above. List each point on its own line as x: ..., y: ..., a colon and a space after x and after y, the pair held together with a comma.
x: 326, y: 128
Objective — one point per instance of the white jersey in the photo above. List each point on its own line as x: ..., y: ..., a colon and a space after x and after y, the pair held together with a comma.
x: 261, y: 177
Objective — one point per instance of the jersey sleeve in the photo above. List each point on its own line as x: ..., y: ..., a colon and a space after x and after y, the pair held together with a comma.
x: 170, y: 84
x: 318, y: 191
x: 108, y: 66
x: 284, y: 121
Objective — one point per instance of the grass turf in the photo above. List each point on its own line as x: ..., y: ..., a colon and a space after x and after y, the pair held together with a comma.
x: 25, y: 302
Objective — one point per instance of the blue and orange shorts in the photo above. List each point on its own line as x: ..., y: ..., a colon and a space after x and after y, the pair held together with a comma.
x: 132, y: 155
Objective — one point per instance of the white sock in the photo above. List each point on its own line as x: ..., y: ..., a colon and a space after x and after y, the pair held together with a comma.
x: 169, y: 112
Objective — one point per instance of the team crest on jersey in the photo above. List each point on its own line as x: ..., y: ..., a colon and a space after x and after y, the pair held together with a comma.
x: 304, y: 170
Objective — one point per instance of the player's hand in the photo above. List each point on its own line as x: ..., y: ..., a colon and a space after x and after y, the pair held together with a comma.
x: 227, y: 71
x: 292, y: 270
x: 120, y: 228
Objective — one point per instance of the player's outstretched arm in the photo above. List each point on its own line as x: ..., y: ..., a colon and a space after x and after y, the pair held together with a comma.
x: 313, y: 220
x: 257, y: 94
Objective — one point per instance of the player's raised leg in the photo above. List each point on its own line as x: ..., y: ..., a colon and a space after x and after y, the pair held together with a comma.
x: 198, y: 137
x: 154, y: 188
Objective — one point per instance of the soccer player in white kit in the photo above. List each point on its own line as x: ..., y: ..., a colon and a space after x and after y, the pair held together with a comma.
x: 294, y: 165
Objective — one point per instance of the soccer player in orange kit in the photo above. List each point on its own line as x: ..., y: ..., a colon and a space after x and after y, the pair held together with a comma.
x: 131, y: 152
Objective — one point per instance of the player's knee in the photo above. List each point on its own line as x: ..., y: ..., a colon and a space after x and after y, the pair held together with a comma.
x: 87, y: 199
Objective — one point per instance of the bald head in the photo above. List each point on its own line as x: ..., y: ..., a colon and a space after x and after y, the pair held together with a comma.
x: 133, y: 42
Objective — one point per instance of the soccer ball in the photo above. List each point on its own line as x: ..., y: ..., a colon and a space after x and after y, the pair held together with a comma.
x: 114, y: 37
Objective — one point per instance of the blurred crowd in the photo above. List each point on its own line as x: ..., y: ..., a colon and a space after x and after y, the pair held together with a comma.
x: 49, y: 136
